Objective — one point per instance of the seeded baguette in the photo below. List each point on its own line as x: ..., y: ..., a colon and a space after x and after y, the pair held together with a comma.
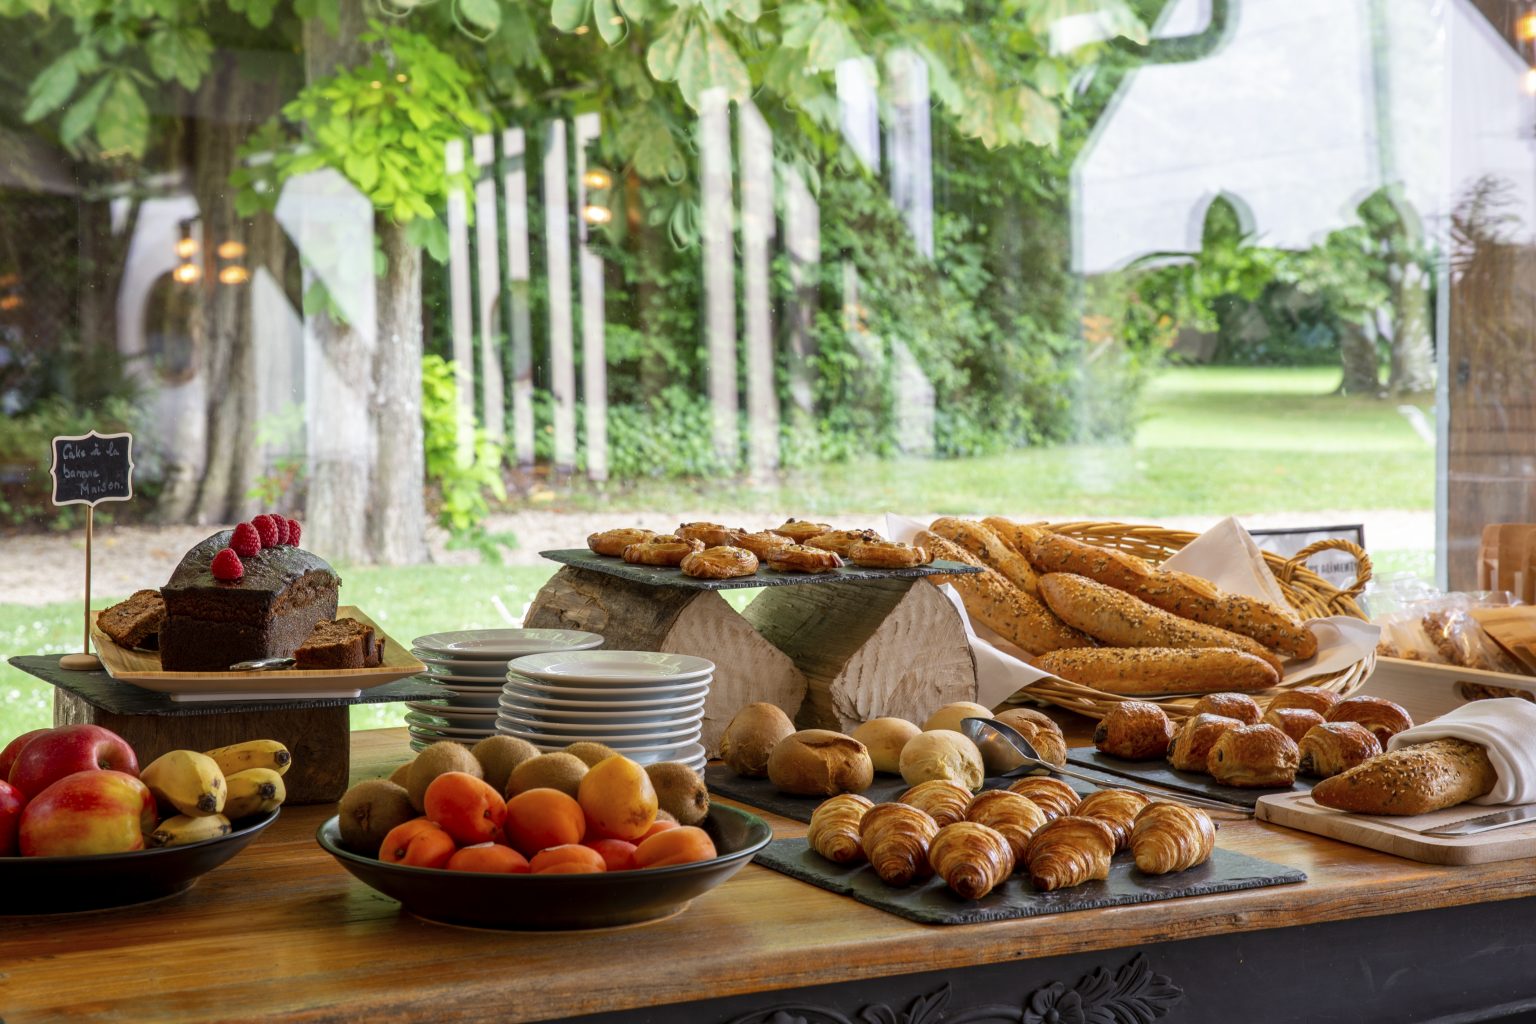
x: 990, y: 548
x: 1121, y: 620
x: 1142, y: 671
x: 997, y: 604
x: 1018, y: 536
x: 1415, y: 779
x: 1179, y: 593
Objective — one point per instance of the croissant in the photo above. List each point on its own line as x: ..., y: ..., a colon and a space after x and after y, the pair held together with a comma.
x: 943, y: 800
x: 1015, y: 817
x: 1116, y: 808
x: 1054, y: 797
x: 1314, y: 697
x: 1229, y: 705
x: 1136, y: 730
x: 971, y: 858
x: 1383, y: 717
x: 1069, y: 851
x: 896, y: 837
x: 1254, y: 756
x: 1333, y: 747
x: 1196, y: 738
x: 1294, y: 722
x: 834, y: 830
x: 1171, y: 837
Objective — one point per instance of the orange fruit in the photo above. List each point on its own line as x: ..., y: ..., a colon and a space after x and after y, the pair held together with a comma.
x: 618, y: 799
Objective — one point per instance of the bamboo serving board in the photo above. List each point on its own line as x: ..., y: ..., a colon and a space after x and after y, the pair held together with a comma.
x: 142, y: 669
x: 1402, y: 836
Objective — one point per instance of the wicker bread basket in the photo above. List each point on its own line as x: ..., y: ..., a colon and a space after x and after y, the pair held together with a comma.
x: 1311, y: 596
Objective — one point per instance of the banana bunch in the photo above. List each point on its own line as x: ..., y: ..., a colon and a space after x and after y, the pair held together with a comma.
x: 209, y: 790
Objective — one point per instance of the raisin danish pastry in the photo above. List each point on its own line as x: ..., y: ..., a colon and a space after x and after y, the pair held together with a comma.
x: 896, y: 838
x: 1334, y: 747
x: 1054, y: 797
x: 800, y: 531
x: 1116, y: 808
x: 840, y: 541
x: 762, y: 544
x: 1069, y: 851
x: 799, y: 558
x: 661, y: 551
x: 887, y: 554
x: 1383, y: 717
x: 712, y: 534
x: 971, y: 858
x: 1253, y: 756
x: 613, y: 542
x: 1294, y: 722
x: 1195, y: 739
x: 944, y: 801
x: 1015, y: 817
x: 719, y: 563
x: 834, y: 828
x: 1136, y: 730
x: 1170, y: 837
x: 1230, y: 705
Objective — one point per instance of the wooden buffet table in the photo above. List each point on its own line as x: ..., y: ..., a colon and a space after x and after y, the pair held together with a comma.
x: 283, y: 933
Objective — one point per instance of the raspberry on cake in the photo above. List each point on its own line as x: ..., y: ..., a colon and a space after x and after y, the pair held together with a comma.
x: 245, y: 541
x: 266, y: 529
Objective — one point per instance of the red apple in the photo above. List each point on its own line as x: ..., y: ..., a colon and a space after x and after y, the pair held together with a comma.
x: 67, y: 750
x: 89, y: 812
x: 11, y: 803
x: 12, y: 751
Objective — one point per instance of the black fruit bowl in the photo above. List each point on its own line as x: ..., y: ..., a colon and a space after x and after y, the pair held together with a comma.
x: 547, y: 902
x: 60, y: 885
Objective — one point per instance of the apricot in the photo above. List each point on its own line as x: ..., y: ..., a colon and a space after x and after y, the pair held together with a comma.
x: 467, y: 808
x: 616, y: 853
x: 617, y: 796
x: 659, y: 825
x: 489, y: 857
x: 540, y: 818
x: 567, y: 859
x: 682, y: 845
x: 418, y: 843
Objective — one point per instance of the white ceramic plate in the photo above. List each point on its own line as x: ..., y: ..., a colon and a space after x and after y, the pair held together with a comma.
x: 426, y: 723
x: 644, y: 742
x: 614, y: 668
x: 476, y: 669
x: 444, y: 709
x: 505, y: 644
x: 672, y: 691
x: 458, y: 680
x: 541, y: 714
x: 663, y: 729
x: 424, y: 738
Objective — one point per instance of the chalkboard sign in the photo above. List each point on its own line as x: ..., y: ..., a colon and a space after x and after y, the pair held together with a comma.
x: 93, y: 468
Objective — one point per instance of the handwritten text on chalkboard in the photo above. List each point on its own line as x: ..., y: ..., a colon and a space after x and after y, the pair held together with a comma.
x: 92, y: 468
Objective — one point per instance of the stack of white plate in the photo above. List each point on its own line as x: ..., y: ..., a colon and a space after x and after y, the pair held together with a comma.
x: 472, y: 664
x: 646, y: 705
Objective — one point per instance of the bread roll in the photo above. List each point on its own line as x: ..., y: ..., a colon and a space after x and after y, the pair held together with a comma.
x: 1121, y: 620
x: 750, y: 737
x: 1149, y: 671
x: 950, y: 715
x: 884, y: 738
x: 942, y: 755
x: 1176, y: 592
x: 819, y: 762
x: 980, y: 541
x: 1000, y: 606
x: 1414, y: 779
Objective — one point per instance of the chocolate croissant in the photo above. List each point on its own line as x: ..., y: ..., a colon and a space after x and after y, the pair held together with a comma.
x: 1069, y: 851
x: 834, y: 829
x: 1254, y: 756
x: 1116, y: 808
x: 1314, y: 697
x: 1136, y: 730
x: 1171, y: 837
x: 1383, y: 717
x: 943, y: 800
x: 1294, y: 722
x: 1016, y: 817
x: 1051, y: 795
x: 1229, y: 705
x: 971, y: 858
x: 895, y: 838
x: 1333, y: 747
x: 1195, y: 739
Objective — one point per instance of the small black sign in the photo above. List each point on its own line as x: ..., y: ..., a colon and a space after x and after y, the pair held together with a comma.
x: 92, y: 468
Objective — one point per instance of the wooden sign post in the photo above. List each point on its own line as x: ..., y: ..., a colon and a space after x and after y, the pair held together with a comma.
x: 87, y: 470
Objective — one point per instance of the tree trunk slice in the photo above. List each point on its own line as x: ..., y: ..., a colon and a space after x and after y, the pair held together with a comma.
x: 637, y: 617
x: 869, y: 649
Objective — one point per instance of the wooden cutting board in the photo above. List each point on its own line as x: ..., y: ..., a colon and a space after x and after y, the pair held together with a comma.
x: 1401, y: 836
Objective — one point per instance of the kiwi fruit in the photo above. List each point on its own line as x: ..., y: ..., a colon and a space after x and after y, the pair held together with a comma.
x: 560, y: 771
x: 399, y: 775
x: 751, y: 736
x: 369, y: 810
x: 679, y: 791
x: 590, y: 753
x: 498, y: 755
x: 662, y: 815
x: 439, y: 759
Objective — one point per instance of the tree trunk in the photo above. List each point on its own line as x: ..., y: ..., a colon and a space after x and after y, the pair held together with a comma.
x: 1357, y: 351
x: 397, y: 518
x: 1413, y: 352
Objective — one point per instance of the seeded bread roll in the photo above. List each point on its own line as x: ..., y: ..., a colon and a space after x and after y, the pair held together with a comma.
x: 997, y: 604
x: 990, y: 548
x: 1144, y: 671
x: 1121, y: 620
x: 1176, y: 592
x: 1415, y: 779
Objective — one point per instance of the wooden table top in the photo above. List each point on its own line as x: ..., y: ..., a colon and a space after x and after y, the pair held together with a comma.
x: 283, y: 932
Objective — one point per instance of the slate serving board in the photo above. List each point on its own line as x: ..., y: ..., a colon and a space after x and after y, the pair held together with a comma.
x: 933, y: 902
x: 102, y: 691
x: 1160, y: 774
x: 764, y: 795
x: 667, y: 576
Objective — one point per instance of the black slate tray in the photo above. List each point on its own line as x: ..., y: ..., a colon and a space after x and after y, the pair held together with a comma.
x: 1158, y: 773
x: 934, y: 903
x: 667, y: 576
x: 101, y: 690
x: 764, y: 795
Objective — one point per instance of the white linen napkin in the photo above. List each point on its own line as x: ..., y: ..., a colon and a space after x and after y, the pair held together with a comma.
x: 1505, y: 727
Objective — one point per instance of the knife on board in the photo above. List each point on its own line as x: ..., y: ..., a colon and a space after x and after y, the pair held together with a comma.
x: 1485, y: 823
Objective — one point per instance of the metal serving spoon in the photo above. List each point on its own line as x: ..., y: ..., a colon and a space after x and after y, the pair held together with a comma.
x: 260, y: 663
x: 1003, y: 745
